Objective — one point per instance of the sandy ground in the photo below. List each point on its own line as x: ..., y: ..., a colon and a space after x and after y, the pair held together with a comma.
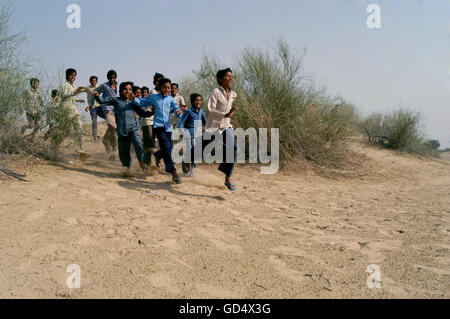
x: 297, y: 235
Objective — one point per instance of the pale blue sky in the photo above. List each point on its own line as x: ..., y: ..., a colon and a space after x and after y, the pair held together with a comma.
x: 405, y: 62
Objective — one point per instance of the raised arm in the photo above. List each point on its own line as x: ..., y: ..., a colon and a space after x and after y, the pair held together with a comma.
x: 100, y: 90
x: 144, y: 101
x: 141, y: 111
x: 175, y: 108
x: 183, y: 119
x: 67, y: 93
x: 112, y: 100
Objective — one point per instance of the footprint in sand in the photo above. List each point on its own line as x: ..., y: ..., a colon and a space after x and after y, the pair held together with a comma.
x: 219, y: 243
x: 85, y: 240
x: 293, y: 251
x: 171, y: 244
x: 35, y: 215
x: 283, y: 269
x: 164, y: 282
x: 71, y: 221
x: 151, y: 221
x: 438, y: 271
x: 96, y: 197
x: 373, y: 250
x: 214, y: 291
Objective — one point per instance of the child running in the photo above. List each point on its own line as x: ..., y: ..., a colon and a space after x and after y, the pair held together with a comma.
x: 220, y: 112
x: 33, y: 103
x: 137, y: 91
x: 93, y: 106
x: 162, y: 124
x: 147, y: 124
x: 177, y: 97
x: 145, y: 91
x: 68, y: 118
x: 127, y: 125
x: 188, y: 121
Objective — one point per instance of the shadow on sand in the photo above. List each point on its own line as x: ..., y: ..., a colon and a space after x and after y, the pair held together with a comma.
x: 138, y: 183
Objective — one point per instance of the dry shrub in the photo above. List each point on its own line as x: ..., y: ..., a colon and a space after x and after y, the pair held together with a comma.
x: 274, y: 92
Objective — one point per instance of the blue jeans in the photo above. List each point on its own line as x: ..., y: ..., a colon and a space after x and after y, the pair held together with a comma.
x: 165, y: 145
x: 125, y: 147
x: 94, y: 115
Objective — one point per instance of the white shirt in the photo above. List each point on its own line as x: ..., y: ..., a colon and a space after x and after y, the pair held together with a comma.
x: 219, y: 105
x: 179, y: 99
x: 68, y: 100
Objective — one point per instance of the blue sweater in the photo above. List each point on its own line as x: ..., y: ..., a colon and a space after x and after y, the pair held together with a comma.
x: 124, y: 110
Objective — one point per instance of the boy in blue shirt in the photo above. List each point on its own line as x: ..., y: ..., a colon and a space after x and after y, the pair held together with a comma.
x: 128, y: 129
x: 163, y: 103
x: 188, y: 121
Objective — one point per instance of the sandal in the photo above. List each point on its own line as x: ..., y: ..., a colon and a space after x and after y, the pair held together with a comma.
x: 232, y: 187
x: 187, y: 172
x: 177, y: 180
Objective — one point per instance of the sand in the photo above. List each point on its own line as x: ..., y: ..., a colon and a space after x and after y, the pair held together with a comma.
x: 289, y: 235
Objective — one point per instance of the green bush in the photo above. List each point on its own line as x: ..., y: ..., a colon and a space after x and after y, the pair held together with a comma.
x: 274, y: 92
x: 15, y: 75
x: 433, y: 145
x: 398, y: 130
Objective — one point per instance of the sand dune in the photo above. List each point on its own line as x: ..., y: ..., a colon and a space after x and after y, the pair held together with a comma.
x: 289, y: 235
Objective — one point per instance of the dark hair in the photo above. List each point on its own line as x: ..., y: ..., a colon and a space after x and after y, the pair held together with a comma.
x: 135, y: 88
x: 69, y: 72
x: 93, y: 77
x: 221, y: 73
x: 145, y: 88
x: 123, y: 85
x: 32, y: 80
x: 194, y: 96
x: 54, y: 92
x: 175, y: 84
x: 157, y: 77
x: 164, y: 81
x: 110, y: 74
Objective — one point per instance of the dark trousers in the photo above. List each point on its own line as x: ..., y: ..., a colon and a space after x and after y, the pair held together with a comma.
x: 229, y: 145
x: 165, y: 145
x: 149, y: 143
x: 125, y: 147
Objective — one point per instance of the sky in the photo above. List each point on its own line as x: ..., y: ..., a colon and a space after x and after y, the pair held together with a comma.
x: 404, y: 63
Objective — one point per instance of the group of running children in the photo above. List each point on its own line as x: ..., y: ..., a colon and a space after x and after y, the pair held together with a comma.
x: 130, y: 110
